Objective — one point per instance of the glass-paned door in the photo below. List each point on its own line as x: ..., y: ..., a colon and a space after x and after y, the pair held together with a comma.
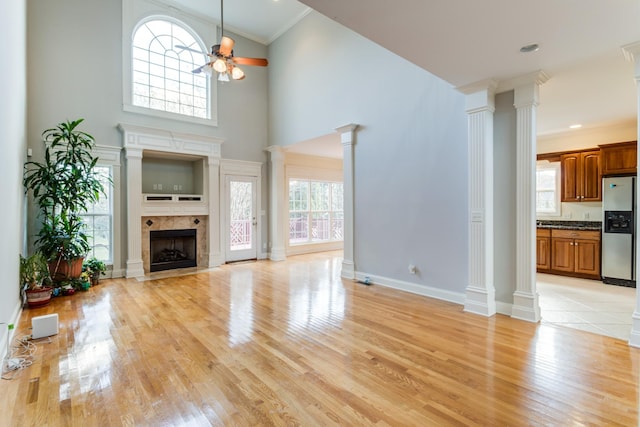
x: 241, y: 218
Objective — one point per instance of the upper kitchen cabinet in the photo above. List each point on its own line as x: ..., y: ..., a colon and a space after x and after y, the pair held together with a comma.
x: 581, y: 176
x: 619, y: 159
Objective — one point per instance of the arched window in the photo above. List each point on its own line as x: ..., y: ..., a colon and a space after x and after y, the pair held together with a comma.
x: 162, y: 77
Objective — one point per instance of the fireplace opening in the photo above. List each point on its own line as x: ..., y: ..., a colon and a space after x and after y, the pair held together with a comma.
x: 172, y: 249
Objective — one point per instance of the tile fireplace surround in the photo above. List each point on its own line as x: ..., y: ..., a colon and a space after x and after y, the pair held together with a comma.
x: 176, y: 223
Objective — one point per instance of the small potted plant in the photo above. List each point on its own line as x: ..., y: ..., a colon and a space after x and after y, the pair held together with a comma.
x: 34, y: 279
x: 94, y: 268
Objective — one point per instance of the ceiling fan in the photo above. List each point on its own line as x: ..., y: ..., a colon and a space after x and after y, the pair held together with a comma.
x: 222, y: 59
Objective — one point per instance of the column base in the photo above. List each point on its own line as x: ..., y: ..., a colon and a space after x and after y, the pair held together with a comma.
x: 135, y: 268
x: 525, y: 307
x: 480, y: 301
x: 634, y: 338
x: 277, y: 254
x: 215, y: 260
x: 348, y: 270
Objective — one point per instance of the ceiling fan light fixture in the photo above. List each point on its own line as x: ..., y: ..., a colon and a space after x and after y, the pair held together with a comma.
x: 223, y: 77
x: 237, y: 73
x: 220, y: 65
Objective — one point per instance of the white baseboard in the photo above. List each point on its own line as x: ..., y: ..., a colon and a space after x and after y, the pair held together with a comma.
x: 414, y: 288
x: 504, y: 308
x: 5, y: 334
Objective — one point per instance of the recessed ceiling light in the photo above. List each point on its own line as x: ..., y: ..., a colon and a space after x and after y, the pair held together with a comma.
x: 530, y: 48
x: 577, y: 126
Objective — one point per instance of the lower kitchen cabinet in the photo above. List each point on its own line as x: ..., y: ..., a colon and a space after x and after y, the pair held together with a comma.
x: 543, y: 250
x: 575, y: 253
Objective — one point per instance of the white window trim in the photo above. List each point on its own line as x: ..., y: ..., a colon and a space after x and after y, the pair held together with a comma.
x: 137, y: 12
x: 110, y: 156
x: 544, y: 164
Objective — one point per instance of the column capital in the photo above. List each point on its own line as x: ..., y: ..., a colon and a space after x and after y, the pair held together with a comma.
x: 133, y: 153
x: 480, y: 96
x: 346, y: 134
x: 277, y: 152
x: 632, y: 54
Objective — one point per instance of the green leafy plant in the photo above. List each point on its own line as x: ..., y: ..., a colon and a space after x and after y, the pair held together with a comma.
x: 63, y: 186
x: 34, y: 271
x: 93, y: 267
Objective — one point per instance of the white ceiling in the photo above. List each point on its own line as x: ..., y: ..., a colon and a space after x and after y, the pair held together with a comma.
x: 467, y: 41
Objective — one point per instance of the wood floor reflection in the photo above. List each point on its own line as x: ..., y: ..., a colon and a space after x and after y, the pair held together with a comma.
x: 290, y: 343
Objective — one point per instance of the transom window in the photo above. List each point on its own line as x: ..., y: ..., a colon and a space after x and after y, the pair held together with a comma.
x: 162, y: 73
x: 315, y: 211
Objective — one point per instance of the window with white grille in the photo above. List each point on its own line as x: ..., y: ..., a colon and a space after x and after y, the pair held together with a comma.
x: 162, y: 78
x: 315, y: 211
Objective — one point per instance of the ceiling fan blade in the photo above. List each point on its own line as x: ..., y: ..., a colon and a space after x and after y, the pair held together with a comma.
x: 226, y: 46
x: 179, y: 46
x: 199, y: 69
x: 258, y: 62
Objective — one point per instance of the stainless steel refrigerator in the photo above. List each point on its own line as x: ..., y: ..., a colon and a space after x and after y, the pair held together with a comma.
x: 618, y: 231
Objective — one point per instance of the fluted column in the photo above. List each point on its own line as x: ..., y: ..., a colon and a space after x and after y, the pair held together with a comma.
x: 215, y: 235
x: 525, y: 298
x: 135, y: 266
x: 480, y: 292
x: 632, y: 53
x: 278, y: 206
x: 347, y: 137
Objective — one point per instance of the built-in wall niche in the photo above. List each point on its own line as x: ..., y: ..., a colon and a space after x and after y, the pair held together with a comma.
x: 177, y: 175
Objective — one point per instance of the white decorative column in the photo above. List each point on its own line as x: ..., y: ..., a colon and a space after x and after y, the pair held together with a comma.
x: 135, y: 265
x: 480, y: 105
x: 525, y: 298
x: 215, y: 237
x: 632, y: 53
x: 278, y: 207
x: 347, y: 137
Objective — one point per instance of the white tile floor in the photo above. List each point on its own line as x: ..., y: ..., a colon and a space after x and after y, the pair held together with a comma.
x: 585, y: 304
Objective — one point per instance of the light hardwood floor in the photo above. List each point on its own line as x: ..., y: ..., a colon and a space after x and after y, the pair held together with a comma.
x: 290, y: 343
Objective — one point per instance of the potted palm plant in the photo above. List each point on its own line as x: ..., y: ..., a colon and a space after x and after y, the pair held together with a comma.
x: 34, y: 280
x: 63, y: 186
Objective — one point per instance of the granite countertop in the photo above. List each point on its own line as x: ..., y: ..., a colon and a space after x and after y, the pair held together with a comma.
x: 570, y: 225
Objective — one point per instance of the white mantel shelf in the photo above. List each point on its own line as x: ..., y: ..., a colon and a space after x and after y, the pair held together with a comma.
x: 174, y: 204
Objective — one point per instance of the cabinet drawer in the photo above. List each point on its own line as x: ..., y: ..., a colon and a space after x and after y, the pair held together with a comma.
x: 543, y: 232
x: 576, y: 234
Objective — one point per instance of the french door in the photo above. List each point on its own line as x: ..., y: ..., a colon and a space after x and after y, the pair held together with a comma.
x: 241, y: 218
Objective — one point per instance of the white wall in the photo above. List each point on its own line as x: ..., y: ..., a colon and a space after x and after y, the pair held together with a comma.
x: 410, y: 153
x: 13, y: 137
x: 75, y: 70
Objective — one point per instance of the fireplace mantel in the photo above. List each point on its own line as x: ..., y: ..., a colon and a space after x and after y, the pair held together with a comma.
x: 139, y: 140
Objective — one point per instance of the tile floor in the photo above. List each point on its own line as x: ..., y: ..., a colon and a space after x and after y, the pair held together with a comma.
x: 585, y: 304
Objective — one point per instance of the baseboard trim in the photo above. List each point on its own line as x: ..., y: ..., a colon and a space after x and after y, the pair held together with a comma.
x: 414, y: 288
x: 6, y: 335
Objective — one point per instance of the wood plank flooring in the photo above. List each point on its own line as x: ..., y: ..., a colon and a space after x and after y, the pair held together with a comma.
x: 290, y: 343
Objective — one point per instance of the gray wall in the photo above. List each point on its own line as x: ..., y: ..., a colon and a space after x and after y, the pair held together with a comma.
x: 75, y: 70
x: 13, y: 143
x: 504, y: 201
x: 411, y: 151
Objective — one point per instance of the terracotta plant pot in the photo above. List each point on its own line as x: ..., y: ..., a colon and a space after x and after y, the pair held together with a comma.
x: 61, y: 269
x: 38, y: 297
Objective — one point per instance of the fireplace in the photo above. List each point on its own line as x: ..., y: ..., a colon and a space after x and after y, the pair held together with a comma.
x: 170, y: 249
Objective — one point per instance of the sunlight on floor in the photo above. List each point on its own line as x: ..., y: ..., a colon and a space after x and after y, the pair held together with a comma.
x: 588, y: 305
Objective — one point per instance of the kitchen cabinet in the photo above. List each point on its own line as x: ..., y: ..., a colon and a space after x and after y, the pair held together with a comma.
x: 576, y: 253
x: 543, y: 250
x: 619, y: 159
x: 581, y: 176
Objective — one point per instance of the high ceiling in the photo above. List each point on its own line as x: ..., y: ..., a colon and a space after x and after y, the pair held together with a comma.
x: 467, y: 41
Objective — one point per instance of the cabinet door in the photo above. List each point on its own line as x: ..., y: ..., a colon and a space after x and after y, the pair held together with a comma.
x: 570, y: 169
x: 543, y: 258
x: 619, y: 158
x: 590, y: 177
x: 587, y: 253
x: 563, y: 255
